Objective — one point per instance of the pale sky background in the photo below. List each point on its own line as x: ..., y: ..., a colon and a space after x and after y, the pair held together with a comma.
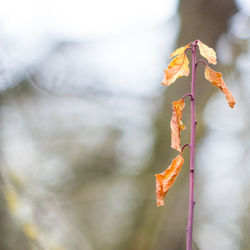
x: 30, y: 30
x: 79, y: 19
x: 29, y: 27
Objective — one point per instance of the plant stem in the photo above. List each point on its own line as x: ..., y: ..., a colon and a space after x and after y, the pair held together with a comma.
x: 192, y: 154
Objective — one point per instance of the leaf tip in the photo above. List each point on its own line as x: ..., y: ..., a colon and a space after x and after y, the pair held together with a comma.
x: 217, y: 80
x: 164, y: 80
x: 160, y: 203
x: 232, y: 103
x: 166, y: 179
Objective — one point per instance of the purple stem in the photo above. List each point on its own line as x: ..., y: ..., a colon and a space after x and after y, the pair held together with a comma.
x: 192, y: 154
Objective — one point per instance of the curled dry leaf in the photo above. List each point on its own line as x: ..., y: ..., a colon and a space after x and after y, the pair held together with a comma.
x: 166, y: 179
x: 207, y: 52
x: 217, y: 80
x: 176, y: 124
x: 180, y: 50
x: 177, y: 67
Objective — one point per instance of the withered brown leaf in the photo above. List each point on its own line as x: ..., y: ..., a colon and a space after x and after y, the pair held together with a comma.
x: 176, y: 124
x: 217, y: 80
x: 180, y: 50
x: 207, y: 52
x: 166, y: 179
x: 177, y: 67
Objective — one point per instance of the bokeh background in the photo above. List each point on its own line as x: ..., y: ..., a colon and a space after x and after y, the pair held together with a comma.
x: 84, y: 125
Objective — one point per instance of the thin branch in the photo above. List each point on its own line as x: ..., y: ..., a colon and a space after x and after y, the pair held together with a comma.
x: 188, y: 94
x: 188, y: 49
x: 192, y: 154
x: 186, y: 145
x: 201, y: 61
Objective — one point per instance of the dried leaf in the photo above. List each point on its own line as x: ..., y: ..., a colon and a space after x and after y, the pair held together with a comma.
x: 176, y: 124
x: 177, y: 67
x: 166, y: 179
x: 217, y: 80
x: 207, y: 52
x: 179, y: 50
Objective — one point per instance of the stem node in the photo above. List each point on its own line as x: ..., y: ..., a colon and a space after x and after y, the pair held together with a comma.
x: 188, y: 49
x: 186, y: 145
x: 200, y: 61
x: 188, y: 94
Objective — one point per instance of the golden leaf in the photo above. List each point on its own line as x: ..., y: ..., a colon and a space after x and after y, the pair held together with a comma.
x: 176, y: 124
x: 207, y: 52
x: 166, y: 179
x: 179, y: 50
x: 177, y: 67
x: 217, y: 80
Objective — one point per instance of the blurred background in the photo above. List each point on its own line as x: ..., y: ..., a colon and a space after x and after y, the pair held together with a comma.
x: 84, y: 125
